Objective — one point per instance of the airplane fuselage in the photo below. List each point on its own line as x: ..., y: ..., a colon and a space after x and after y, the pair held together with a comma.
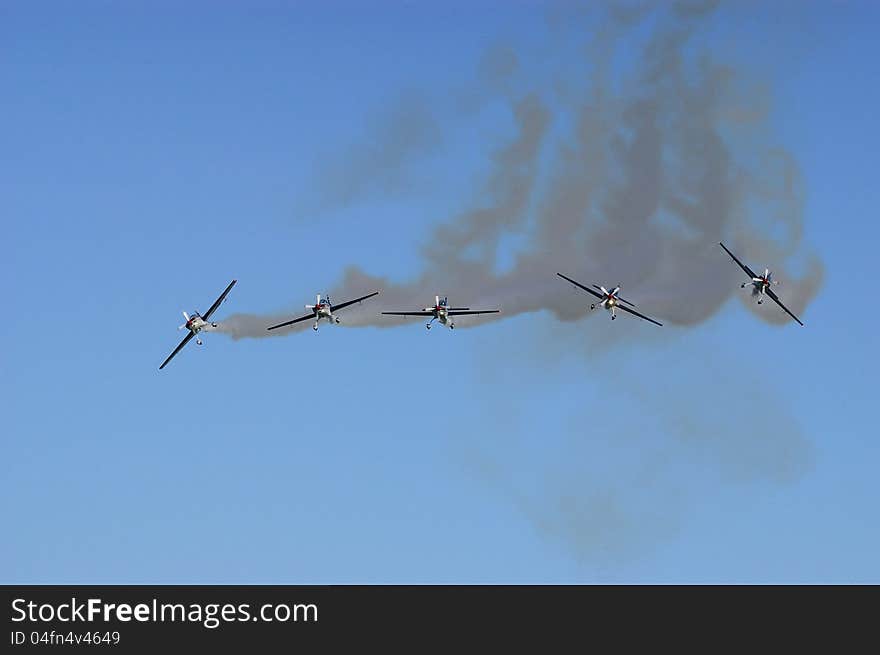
x: 323, y: 311
x: 609, y: 303
x: 441, y: 314
x: 759, y: 287
x: 196, y: 324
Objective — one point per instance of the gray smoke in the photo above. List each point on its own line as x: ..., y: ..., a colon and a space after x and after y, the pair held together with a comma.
x: 614, y: 178
x: 629, y: 179
x: 382, y: 165
x: 611, y: 483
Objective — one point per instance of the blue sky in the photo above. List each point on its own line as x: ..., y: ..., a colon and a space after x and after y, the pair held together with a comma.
x: 154, y: 153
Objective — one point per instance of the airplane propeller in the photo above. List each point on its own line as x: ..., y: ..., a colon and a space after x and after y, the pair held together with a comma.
x: 766, y: 279
x: 180, y: 327
x: 318, y: 302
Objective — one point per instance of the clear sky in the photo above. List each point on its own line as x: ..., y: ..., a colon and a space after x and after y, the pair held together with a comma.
x: 153, y: 153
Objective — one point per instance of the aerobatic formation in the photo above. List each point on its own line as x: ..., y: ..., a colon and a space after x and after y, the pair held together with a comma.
x: 610, y: 300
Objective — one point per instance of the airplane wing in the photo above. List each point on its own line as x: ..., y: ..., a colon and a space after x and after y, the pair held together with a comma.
x: 409, y: 313
x: 776, y: 299
x: 632, y: 311
x: 296, y: 320
x: 351, y: 302
x: 475, y: 311
x: 177, y: 350
x: 748, y: 271
x: 218, y: 301
x: 578, y: 284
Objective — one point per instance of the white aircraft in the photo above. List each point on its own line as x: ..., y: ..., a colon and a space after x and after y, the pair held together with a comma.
x: 610, y: 300
x: 760, y: 284
x: 323, y: 309
x: 196, y: 323
x: 442, y: 311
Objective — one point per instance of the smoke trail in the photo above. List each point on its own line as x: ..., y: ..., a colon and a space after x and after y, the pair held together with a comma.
x: 616, y: 178
x: 627, y: 466
x: 380, y: 166
x: 628, y: 179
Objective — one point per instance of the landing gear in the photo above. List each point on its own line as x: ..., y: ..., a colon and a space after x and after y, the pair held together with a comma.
x: 592, y: 307
x: 315, y: 327
x: 213, y: 325
x: 613, y: 317
x: 742, y: 286
x: 427, y: 326
x: 760, y: 301
x: 337, y: 320
x: 198, y: 342
x: 452, y: 326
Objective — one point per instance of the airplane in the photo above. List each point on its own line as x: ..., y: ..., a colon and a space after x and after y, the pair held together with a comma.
x: 196, y: 323
x: 442, y: 311
x: 610, y: 300
x: 322, y: 309
x: 760, y: 284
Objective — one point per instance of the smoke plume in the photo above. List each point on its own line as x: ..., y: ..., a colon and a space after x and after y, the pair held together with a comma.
x: 627, y: 165
x: 628, y: 178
